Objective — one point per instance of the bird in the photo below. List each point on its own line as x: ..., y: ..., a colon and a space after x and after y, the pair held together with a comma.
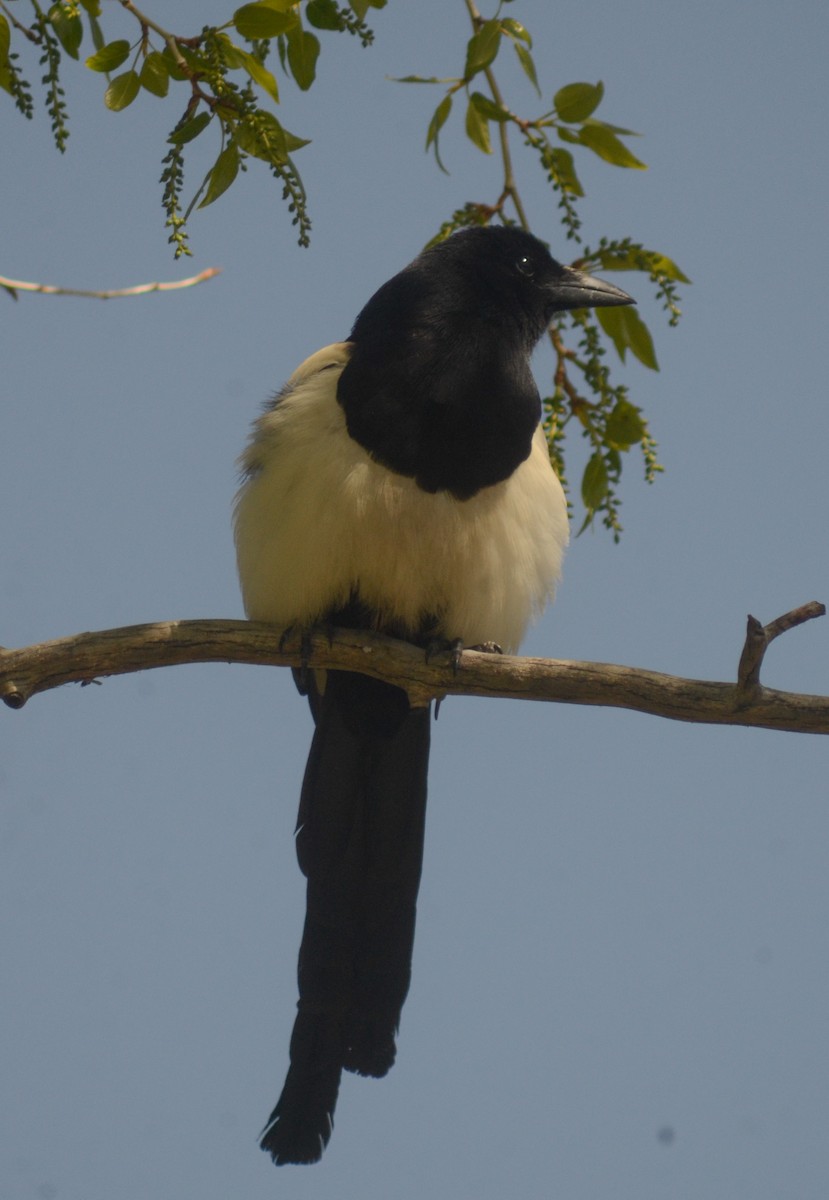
x: 399, y: 482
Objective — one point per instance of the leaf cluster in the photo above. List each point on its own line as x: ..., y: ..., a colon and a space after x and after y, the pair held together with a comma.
x: 583, y: 396
x: 220, y: 74
x: 227, y: 79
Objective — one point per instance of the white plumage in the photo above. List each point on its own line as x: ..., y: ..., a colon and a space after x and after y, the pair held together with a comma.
x: 317, y: 518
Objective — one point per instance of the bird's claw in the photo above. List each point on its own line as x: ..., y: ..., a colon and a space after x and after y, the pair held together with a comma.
x: 453, y: 647
x: 305, y: 651
x: 487, y: 648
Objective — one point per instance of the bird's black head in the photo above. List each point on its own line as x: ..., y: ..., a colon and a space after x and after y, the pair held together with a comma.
x: 438, y: 386
x: 512, y: 276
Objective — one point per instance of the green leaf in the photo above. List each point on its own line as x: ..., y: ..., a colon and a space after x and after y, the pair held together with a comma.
x: 625, y: 427
x: 562, y: 164
x: 264, y: 20
x: 109, y: 57
x: 303, y: 52
x: 568, y: 135
x: 293, y: 142
x: 324, y: 14
x: 190, y: 129
x: 93, y: 7
x: 122, y: 91
x: 528, y: 65
x: 5, y: 40
x: 222, y: 175
x: 627, y: 330
x: 621, y: 260
x: 488, y: 109
x: 439, y: 118
x: 155, y: 77
x: 361, y: 7
x: 612, y: 323
x: 98, y: 39
x: 660, y: 264
x: 264, y: 137
x: 608, y: 147
x: 638, y: 259
x: 421, y: 79
x: 575, y: 102
x: 640, y: 340
x: 613, y: 128
x: 68, y: 26
x: 594, y: 483
x: 517, y: 30
x: 482, y: 47
x: 266, y: 144
x: 477, y: 129
x: 258, y: 72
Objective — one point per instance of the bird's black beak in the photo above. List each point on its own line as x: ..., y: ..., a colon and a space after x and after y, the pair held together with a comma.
x: 575, y: 289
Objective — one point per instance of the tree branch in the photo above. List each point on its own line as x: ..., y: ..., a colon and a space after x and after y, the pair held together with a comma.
x: 86, y: 657
x: 140, y: 289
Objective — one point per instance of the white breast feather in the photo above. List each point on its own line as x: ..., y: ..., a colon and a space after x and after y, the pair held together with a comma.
x: 318, y: 518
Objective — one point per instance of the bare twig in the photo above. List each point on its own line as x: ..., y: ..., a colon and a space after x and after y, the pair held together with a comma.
x: 88, y: 656
x: 759, y: 637
x: 141, y: 289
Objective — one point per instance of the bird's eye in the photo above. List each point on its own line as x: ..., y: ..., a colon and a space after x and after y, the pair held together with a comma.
x: 525, y: 266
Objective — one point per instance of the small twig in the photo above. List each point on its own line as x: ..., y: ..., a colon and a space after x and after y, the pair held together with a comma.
x: 510, y: 187
x: 797, y: 616
x: 748, y: 671
x: 561, y: 378
x: 759, y: 637
x: 31, y: 34
x: 47, y: 289
x: 170, y: 39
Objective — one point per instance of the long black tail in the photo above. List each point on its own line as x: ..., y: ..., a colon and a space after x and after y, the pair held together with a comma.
x: 360, y: 845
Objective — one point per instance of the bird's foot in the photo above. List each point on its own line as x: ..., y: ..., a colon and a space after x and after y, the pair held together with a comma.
x: 451, y: 646
x: 300, y: 673
x: 455, y: 648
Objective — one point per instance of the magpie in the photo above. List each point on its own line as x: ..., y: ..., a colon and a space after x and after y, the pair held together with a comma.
x: 399, y: 482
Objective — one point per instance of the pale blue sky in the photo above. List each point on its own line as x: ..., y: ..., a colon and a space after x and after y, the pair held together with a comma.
x: 623, y: 922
